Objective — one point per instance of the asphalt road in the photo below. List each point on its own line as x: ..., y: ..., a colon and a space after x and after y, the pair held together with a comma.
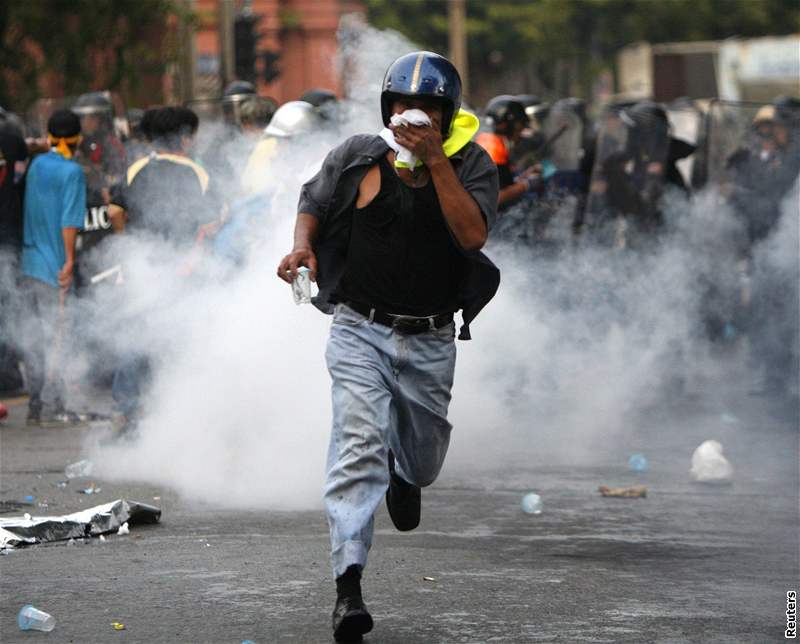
x: 689, y: 563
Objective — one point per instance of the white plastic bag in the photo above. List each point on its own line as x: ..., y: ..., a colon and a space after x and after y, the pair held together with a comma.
x: 709, y: 465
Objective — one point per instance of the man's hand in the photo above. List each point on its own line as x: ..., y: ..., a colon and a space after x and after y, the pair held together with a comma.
x: 65, y: 276
x: 422, y: 141
x: 287, y: 269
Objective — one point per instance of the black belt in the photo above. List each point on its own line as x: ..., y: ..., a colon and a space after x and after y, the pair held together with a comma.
x: 406, y: 324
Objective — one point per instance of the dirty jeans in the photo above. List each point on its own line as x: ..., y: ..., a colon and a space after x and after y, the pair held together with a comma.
x: 44, y: 327
x: 390, y: 391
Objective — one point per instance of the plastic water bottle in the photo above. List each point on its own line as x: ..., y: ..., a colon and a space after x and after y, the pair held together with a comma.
x: 33, y: 619
x: 638, y: 463
x: 532, y: 504
x: 81, y: 468
x: 301, y: 286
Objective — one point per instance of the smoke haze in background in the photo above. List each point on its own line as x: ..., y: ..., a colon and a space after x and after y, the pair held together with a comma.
x: 571, y: 352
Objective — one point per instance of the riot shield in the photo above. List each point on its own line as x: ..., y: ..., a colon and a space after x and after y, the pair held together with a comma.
x: 555, y: 211
x: 627, y: 179
x: 729, y: 129
x: 563, y: 134
x: 753, y: 161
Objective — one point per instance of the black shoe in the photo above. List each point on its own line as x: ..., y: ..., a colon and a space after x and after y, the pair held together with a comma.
x: 403, y: 500
x: 351, y: 619
x: 34, y: 417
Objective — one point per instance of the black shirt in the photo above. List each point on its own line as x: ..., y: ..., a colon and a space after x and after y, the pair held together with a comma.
x: 331, y: 194
x: 167, y: 195
x: 401, y: 257
x: 12, y: 150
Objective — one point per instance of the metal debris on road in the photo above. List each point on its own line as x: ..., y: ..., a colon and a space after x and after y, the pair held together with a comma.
x: 92, y: 522
x: 632, y: 492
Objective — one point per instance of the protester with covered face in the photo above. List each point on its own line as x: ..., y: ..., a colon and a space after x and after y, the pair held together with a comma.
x: 391, y: 229
x: 167, y: 198
x: 55, y: 203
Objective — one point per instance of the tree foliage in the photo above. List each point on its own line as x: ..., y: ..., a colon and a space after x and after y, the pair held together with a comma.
x: 560, y: 46
x: 82, y: 44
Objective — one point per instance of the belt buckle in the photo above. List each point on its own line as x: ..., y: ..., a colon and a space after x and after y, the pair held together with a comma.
x: 410, y: 325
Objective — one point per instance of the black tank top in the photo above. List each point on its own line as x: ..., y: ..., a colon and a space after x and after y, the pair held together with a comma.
x: 402, y: 257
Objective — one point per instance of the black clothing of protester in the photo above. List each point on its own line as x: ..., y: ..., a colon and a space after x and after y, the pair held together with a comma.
x: 331, y: 194
x: 166, y: 195
x: 12, y: 151
x: 402, y: 257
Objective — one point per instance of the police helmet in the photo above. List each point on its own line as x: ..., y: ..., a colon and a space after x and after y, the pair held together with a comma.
x: 423, y: 74
x: 528, y: 100
x: 646, y: 115
x: 237, y: 90
x: 506, y: 110
x: 292, y: 119
x: 318, y: 97
x: 93, y: 103
x: 787, y: 110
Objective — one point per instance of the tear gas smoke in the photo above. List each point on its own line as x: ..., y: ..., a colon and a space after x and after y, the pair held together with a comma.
x: 571, y: 352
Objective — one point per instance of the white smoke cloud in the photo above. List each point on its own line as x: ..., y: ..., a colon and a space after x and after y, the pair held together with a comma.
x: 565, y: 361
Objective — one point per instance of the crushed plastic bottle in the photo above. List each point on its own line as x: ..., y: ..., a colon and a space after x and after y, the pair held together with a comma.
x: 532, y: 503
x: 301, y: 286
x: 638, y: 462
x: 81, y: 468
x: 33, y: 619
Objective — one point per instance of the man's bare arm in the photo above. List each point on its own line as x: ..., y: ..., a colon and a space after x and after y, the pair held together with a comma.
x: 305, y: 234
x: 118, y: 216
x: 69, y: 236
x: 460, y: 210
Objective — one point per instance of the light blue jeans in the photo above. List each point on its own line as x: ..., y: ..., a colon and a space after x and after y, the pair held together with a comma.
x: 389, y: 391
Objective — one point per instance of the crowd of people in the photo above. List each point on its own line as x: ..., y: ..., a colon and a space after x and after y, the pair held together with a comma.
x: 391, y: 226
x: 565, y: 180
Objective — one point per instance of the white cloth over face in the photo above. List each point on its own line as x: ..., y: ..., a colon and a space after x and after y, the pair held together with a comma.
x: 409, y: 117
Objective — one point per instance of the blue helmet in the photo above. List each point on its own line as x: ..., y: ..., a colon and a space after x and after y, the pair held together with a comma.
x: 423, y: 74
